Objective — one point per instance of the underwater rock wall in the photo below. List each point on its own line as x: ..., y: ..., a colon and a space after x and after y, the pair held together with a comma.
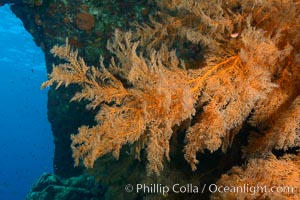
x: 52, y: 187
x: 88, y: 25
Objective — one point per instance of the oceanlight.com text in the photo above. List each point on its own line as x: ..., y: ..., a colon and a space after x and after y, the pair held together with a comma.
x: 212, y: 188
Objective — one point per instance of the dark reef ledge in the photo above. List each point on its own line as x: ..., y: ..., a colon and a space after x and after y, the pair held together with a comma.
x: 88, y: 25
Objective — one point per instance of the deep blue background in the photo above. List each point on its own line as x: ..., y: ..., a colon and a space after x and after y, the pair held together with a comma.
x: 26, y: 147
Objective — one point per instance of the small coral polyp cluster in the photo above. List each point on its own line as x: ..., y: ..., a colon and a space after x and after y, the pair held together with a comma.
x: 248, y: 76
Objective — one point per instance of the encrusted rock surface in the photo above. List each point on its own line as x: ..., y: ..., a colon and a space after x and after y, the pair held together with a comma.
x: 88, y: 25
x: 50, y: 186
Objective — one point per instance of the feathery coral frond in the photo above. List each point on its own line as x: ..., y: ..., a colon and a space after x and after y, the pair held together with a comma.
x: 262, y: 179
x: 285, y: 133
x: 247, y: 66
x: 159, y: 99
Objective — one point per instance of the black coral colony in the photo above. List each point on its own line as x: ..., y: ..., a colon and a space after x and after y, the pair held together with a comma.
x: 249, y: 74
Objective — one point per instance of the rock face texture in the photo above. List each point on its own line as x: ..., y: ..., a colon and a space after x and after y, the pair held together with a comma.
x: 52, y: 187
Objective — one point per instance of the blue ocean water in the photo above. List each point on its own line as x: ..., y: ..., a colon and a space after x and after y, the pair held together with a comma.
x: 26, y: 147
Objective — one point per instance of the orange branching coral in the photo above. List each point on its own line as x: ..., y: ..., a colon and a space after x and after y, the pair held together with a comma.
x: 196, y: 22
x: 162, y: 95
x: 158, y: 99
x: 271, y: 178
x: 285, y: 133
x: 146, y: 90
x: 231, y: 95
